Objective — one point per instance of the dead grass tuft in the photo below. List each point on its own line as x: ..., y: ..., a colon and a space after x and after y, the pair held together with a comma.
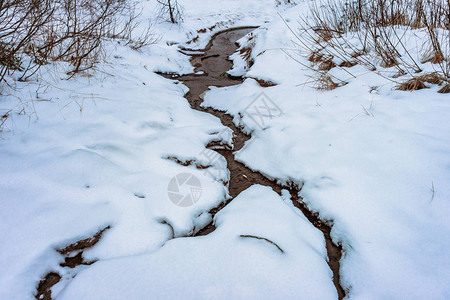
x: 347, y: 64
x: 434, y: 58
x: 433, y: 78
x: 246, y: 53
x: 418, y: 83
x: 445, y: 89
x: 325, y: 83
x: 413, y: 84
x: 316, y: 57
x: 327, y: 65
x: 3, y: 119
x: 325, y: 61
x: 195, y: 39
x: 264, y: 83
x: 357, y: 54
x: 324, y: 34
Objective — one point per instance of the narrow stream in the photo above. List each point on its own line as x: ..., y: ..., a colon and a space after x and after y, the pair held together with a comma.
x: 213, y: 62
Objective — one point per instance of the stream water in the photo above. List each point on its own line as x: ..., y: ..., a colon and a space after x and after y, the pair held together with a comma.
x: 213, y: 63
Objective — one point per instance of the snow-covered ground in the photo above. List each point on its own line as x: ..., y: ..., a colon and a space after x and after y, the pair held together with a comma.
x: 227, y: 264
x: 78, y: 155
x: 374, y: 160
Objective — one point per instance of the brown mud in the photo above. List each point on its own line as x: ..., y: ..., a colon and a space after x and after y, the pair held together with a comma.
x: 211, y: 66
x: 214, y: 63
x: 73, y: 257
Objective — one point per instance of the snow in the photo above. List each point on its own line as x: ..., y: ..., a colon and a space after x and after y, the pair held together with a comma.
x: 61, y: 183
x: 78, y: 155
x: 223, y: 265
x: 376, y: 163
x: 82, y: 154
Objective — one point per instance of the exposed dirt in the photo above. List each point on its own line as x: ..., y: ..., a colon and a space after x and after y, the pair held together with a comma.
x: 44, y: 288
x: 73, y: 257
x: 213, y: 63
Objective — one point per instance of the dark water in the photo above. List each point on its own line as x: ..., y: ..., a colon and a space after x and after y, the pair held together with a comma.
x: 214, y: 64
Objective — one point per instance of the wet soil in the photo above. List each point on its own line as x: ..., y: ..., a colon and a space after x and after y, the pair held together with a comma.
x: 211, y: 65
x: 72, y: 256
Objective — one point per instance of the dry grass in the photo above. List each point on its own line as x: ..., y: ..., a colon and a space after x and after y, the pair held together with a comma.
x: 3, y: 119
x: 285, y: 2
x: 193, y: 40
x: 325, y: 62
x: 264, y: 83
x: 327, y: 65
x: 445, y: 89
x: 325, y: 83
x: 324, y: 34
x: 356, y: 54
x: 316, y: 57
x: 347, y: 64
x: 413, y: 84
x: 380, y: 26
x: 433, y: 57
x: 433, y: 78
x: 418, y: 83
x: 246, y: 52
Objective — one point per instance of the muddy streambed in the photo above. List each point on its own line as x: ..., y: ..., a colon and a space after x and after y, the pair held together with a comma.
x: 211, y: 66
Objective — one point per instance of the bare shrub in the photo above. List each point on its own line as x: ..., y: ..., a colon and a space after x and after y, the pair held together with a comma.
x: 36, y: 32
x: 379, y: 27
x: 171, y: 11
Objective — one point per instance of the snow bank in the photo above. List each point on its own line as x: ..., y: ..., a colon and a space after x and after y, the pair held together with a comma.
x: 81, y: 154
x: 227, y: 264
x: 373, y: 159
x: 73, y: 173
